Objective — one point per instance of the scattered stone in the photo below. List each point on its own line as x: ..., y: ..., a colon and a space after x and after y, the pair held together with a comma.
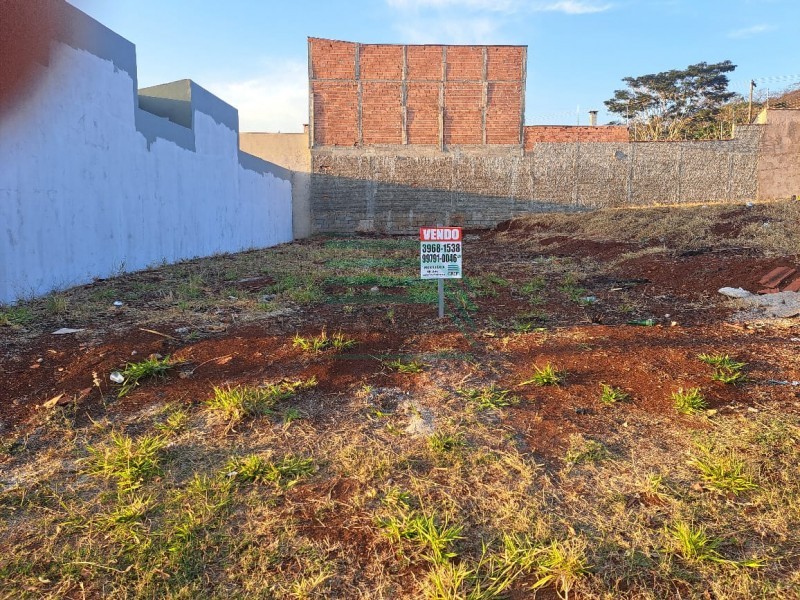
x: 267, y: 298
x: 182, y: 330
x: 67, y: 331
x: 117, y: 377
x: 735, y: 292
x: 582, y: 411
x: 374, y: 289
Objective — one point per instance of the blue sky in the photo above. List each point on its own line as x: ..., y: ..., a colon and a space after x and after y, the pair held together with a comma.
x: 253, y: 53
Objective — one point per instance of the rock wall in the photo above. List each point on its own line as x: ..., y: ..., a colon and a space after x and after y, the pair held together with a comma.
x: 399, y: 188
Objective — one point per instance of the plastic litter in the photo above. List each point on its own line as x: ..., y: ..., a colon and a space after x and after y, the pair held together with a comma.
x: 118, y: 303
x: 643, y: 322
x: 117, y: 377
x: 67, y: 331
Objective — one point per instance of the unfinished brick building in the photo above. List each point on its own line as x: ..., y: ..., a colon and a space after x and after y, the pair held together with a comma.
x: 378, y: 94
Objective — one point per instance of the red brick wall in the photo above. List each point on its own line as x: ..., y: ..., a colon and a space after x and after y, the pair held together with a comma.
x: 503, y: 112
x: 464, y: 63
x: 482, y: 88
x: 423, y: 113
x: 381, y: 113
x: 566, y: 133
x: 333, y: 60
x: 335, y: 112
x: 381, y: 62
x: 425, y: 63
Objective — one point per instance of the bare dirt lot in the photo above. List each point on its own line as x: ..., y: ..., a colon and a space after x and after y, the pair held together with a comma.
x: 591, y: 420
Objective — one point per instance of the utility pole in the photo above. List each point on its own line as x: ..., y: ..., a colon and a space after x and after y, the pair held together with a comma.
x: 750, y: 105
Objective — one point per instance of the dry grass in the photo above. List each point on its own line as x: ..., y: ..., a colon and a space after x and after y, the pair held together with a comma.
x: 771, y: 227
x: 174, y: 503
x: 264, y: 510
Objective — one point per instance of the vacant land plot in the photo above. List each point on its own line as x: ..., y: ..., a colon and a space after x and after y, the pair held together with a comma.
x: 591, y: 420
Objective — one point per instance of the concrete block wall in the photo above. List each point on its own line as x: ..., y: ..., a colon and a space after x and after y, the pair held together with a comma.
x: 378, y: 94
x: 90, y: 183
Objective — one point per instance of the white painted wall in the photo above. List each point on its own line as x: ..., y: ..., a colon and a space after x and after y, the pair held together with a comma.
x: 82, y: 195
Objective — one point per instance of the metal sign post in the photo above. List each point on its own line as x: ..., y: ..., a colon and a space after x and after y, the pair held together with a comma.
x: 440, y: 256
x: 441, y: 297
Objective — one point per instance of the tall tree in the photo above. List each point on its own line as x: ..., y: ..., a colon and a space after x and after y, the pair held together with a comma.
x: 676, y: 104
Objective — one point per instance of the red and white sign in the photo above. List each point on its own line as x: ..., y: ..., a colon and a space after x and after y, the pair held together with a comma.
x: 440, y: 252
x: 440, y: 234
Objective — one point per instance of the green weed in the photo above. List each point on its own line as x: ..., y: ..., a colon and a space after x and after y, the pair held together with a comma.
x: 237, y: 403
x: 726, y: 369
x: 432, y: 535
x: 569, y: 286
x: 413, y: 366
x: 562, y: 566
x: 725, y: 472
x: 286, y: 472
x: 15, y: 315
x: 322, y: 342
x: 693, y: 544
x: 443, y: 443
x: 546, y: 375
x: 174, y: 423
x: 57, y: 304
x: 489, y: 397
x: 689, y: 401
x: 582, y: 450
x: 612, y: 395
x: 130, y: 462
x: 133, y: 373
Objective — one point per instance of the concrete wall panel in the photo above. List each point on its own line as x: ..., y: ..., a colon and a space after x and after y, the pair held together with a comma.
x: 85, y: 193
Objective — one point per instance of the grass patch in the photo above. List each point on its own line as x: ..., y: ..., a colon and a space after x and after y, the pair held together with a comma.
x: 240, y: 402
x: 690, y: 401
x: 286, y: 472
x: 490, y: 397
x: 127, y: 461
x: 725, y: 472
x: 322, y: 342
x: 15, y: 315
x: 611, y: 395
x: 726, y: 369
x: 413, y: 366
x: 151, y: 367
x: 546, y: 375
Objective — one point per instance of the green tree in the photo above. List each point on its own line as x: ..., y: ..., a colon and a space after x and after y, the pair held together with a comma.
x: 675, y: 104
